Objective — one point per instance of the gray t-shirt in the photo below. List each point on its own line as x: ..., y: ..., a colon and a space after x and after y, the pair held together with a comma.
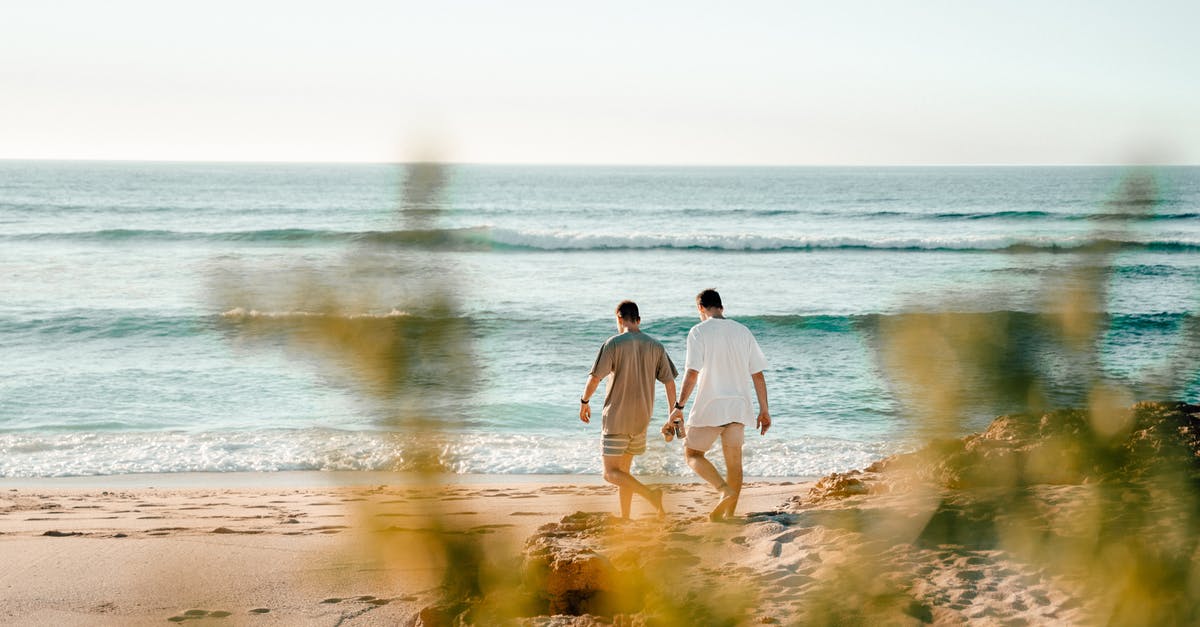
x: 635, y: 361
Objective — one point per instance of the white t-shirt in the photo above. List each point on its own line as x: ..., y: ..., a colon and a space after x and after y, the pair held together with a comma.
x: 725, y: 354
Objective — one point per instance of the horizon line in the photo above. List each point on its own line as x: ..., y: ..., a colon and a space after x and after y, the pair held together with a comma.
x: 599, y: 163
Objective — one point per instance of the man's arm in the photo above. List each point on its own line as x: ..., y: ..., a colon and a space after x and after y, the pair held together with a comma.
x: 689, y: 383
x: 764, y: 415
x: 585, y: 410
x: 669, y: 386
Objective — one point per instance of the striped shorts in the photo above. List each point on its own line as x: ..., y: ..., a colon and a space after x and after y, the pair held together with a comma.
x: 624, y: 444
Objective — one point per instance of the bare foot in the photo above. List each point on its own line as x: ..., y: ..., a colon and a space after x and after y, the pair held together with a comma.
x: 724, y: 506
x: 656, y: 499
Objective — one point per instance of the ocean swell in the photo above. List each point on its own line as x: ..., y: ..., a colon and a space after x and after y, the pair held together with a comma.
x: 499, y: 239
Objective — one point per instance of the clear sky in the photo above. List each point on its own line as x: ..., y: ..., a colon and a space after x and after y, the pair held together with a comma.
x: 793, y: 82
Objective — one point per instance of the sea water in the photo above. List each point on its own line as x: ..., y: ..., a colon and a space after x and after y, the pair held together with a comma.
x: 123, y: 348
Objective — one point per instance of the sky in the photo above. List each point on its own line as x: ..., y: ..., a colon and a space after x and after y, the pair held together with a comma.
x: 616, y: 82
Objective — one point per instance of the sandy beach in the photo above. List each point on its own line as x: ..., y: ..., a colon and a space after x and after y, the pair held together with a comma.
x: 305, y: 550
x: 1022, y: 524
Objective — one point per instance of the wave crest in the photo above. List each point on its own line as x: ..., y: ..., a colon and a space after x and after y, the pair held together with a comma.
x: 481, y: 238
x: 241, y: 313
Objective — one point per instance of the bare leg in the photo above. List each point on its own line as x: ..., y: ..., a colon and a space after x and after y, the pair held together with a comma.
x: 625, y: 492
x: 615, y: 473
x: 700, y: 464
x: 733, y: 468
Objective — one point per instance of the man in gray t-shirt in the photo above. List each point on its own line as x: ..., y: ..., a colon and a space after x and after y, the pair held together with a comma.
x: 632, y: 361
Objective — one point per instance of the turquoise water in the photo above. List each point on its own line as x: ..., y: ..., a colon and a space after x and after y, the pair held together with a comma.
x: 122, y: 349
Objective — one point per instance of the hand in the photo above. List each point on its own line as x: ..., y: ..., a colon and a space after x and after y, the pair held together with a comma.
x: 763, y: 423
x: 667, y: 428
x: 676, y: 414
x: 585, y: 412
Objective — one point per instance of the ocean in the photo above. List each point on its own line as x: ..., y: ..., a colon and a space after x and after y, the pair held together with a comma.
x: 134, y: 295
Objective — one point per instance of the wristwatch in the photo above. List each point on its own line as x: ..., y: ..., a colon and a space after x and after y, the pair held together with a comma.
x: 583, y: 400
x: 678, y: 405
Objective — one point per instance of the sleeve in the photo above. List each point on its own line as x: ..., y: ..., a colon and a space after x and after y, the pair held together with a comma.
x: 666, y: 368
x: 758, y: 361
x: 604, y: 362
x: 695, y: 353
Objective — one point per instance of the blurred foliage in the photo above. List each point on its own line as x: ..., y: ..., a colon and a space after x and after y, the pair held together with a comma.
x: 1126, y: 543
x: 408, y: 355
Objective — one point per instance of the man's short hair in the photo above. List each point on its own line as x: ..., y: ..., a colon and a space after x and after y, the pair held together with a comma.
x: 709, y: 299
x: 628, y: 310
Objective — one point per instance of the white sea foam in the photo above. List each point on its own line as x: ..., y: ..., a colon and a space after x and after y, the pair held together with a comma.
x: 84, y: 454
x: 241, y: 313
x: 577, y: 240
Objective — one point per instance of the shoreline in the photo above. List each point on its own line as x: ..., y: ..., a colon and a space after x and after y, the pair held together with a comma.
x: 335, y: 479
x: 943, y: 535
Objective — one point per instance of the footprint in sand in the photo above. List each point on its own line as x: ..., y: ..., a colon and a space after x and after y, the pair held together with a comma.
x: 366, y: 598
x: 227, y: 530
x: 1039, y: 597
x: 971, y: 575
x: 792, y: 535
x: 488, y: 528
x: 198, y: 614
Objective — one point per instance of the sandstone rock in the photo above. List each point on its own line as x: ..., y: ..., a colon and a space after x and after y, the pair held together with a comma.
x: 586, y: 620
x: 1059, y: 448
x: 564, y: 569
x: 839, y: 486
x: 448, y: 614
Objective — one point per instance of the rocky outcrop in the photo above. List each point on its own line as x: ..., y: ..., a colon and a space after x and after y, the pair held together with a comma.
x: 586, y: 620
x: 445, y: 614
x: 840, y: 485
x: 1068, y: 446
x: 563, y: 567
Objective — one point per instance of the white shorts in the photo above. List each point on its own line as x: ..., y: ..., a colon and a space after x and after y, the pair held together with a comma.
x: 702, y: 438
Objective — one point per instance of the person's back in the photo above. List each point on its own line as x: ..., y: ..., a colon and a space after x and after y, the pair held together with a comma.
x: 635, y: 361
x: 725, y: 353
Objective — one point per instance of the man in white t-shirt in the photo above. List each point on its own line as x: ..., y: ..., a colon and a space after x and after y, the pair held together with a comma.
x: 723, y: 365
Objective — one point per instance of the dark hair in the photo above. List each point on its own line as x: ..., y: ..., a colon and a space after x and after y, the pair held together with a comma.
x: 628, y: 310
x: 709, y: 298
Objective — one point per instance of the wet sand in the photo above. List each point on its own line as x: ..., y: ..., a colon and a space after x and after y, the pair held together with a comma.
x: 77, y: 552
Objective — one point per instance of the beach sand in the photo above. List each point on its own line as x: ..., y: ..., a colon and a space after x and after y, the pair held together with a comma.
x: 305, y: 550
x: 292, y: 554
